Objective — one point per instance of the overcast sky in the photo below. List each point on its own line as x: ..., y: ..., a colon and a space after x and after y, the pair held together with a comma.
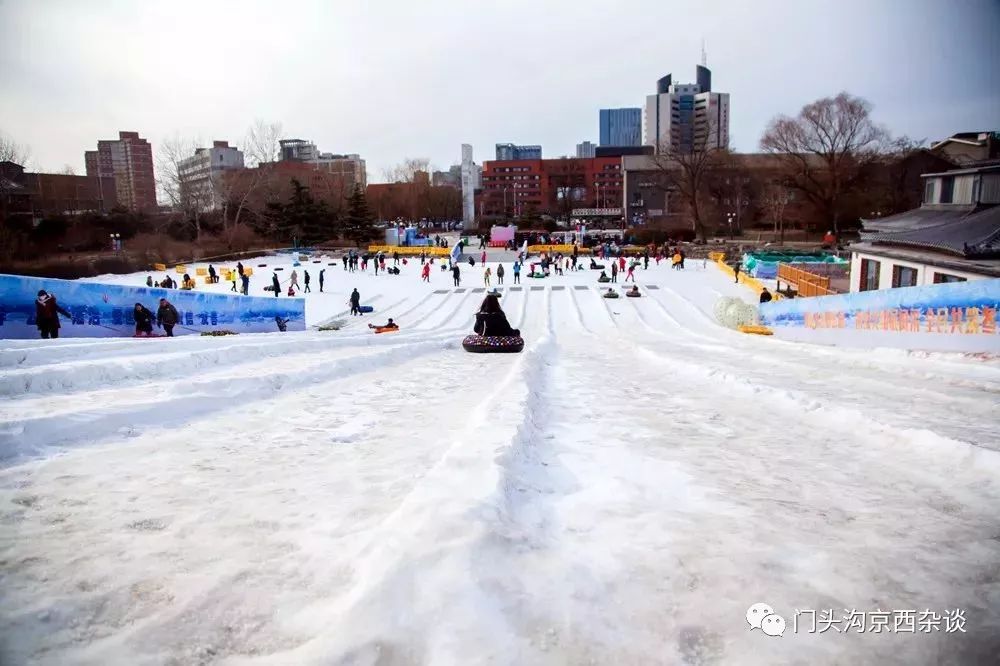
x: 391, y: 79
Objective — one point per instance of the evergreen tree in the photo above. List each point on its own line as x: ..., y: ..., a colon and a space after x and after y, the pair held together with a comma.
x: 359, y: 226
x: 302, y: 217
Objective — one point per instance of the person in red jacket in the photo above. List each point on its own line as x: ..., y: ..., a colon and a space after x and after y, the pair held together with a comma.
x: 47, y: 312
x: 621, y: 263
x: 425, y: 273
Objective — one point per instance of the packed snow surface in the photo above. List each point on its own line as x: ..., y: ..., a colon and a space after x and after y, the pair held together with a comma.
x: 619, y: 493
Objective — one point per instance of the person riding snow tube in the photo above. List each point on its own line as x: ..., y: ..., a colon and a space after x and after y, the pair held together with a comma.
x: 633, y: 292
x: 386, y: 328
x: 603, y: 277
x: 611, y: 293
x: 596, y: 266
x: 493, y: 332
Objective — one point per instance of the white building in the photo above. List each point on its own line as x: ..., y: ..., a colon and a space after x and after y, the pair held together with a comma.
x: 586, y: 149
x: 686, y: 117
x: 953, y: 237
x: 200, y: 174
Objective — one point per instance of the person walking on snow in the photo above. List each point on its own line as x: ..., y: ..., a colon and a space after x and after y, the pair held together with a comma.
x: 376, y: 266
x: 167, y: 317
x: 395, y: 258
x: 614, y: 271
x: 321, y: 280
x: 355, y: 302
x: 645, y: 261
x: 239, y: 267
x: 233, y: 288
x: 143, y: 320
x: 736, y: 272
x: 631, y: 273
x: 47, y: 312
x: 486, y: 275
x: 344, y: 259
x: 517, y: 272
x: 456, y: 273
x: 294, y: 282
x: 246, y: 284
x: 305, y: 277
x: 425, y: 273
x: 275, y: 285
x: 499, y: 273
x: 482, y: 259
x: 621, y: 263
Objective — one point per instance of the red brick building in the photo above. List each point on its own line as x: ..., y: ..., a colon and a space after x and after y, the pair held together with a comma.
x: 271, y: 182
x: 549, y: 187
x: 48, y: 194
x: 129, y: 160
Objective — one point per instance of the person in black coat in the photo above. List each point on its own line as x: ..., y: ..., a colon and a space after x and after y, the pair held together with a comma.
x: 491, y: 321
x: 457, y: 274
x: 47, y: 312
x: 211, y: 274
x: 239, y: 267
x: 355, y: 302
x: 765, y: 296
x: 143, y: 320
x: 275, y: 284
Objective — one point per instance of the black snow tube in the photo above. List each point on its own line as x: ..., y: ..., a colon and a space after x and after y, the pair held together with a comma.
x: 596, y: 266
x: 493, y: 344
x: 611, y: 294
x: 604, y: 280
x: 631, y: 295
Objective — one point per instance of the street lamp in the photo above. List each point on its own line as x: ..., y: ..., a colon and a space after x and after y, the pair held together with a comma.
x: 729, y: 219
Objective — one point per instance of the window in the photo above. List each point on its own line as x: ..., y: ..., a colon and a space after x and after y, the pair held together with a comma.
x: 929, y: 191
x: 947, y: 189
x: 869, y: 275
x: 944, y: 278
x: 904, y: 276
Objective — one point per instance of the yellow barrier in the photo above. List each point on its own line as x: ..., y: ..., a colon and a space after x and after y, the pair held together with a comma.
x: 228, y: 276
x: 756, y: 330
x: 206, y: 279
x: 181, y: 270
x: 716, y: 256
x: 247, y: 271
x: 200, y: 272
x: 159, y: 267
x: 411, y: 251
x: 745, y: 279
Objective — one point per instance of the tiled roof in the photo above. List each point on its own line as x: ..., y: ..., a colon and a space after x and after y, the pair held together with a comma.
x: 975, y: 234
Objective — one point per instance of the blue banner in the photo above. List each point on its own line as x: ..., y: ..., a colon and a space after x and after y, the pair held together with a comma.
x: 98, y: 310
x: 960, y: 308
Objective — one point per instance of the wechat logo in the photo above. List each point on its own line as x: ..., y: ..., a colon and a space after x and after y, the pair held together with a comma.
x: 762, y: 616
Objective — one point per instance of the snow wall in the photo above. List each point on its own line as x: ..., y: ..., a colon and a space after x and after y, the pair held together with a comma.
x: 105, y: 310
x: 960, y: 316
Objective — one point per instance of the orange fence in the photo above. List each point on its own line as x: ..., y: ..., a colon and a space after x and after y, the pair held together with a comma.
x: 806, y: 283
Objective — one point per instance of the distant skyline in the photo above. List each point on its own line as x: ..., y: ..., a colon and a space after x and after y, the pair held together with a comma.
x: 393, y: 79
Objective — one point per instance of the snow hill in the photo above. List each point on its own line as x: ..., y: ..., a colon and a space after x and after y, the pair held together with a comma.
x: 619, y: 493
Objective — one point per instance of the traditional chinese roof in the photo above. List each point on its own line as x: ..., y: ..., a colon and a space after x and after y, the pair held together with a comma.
x: 972, y: 233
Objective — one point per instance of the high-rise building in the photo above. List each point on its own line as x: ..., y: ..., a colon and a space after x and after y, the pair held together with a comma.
x: 201, y: 174
x: 129, y: 160
x: 686, y: 117
x: 509, y: 151
x: 586, y: 149
x: 621, y: 127
x: 350, y: 166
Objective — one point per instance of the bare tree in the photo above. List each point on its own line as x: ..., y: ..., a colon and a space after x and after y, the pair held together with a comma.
x: 190, y: 200
x: 826, y: 148
x: 406, y: 171
x: 68, y: 170
x: 11, y: 151
x: 686, y: 169
x: 262, y: 143
x: 775, y: 200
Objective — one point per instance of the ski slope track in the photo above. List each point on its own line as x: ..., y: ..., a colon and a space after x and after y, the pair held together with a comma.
x: 619, y: 493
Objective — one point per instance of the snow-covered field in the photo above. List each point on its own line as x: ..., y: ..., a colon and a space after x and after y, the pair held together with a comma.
x: 619, y: 493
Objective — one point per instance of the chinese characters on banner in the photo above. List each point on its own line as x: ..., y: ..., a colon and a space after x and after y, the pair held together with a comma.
x: 953, y: 320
